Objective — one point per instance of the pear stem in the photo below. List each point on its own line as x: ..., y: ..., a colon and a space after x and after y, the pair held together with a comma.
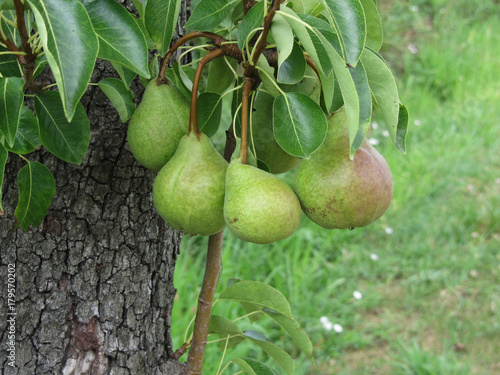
x: 193, y: 121
x: 244, y: 120
x: 186, y: 38
x: 311, y: 63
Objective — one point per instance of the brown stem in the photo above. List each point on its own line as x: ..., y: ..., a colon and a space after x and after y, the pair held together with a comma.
x: 27, y: 61
x: 11, y: 46
x: 311, y: 63
x: 193, y: 121
x: 244, y: 120
x: 263, y: 39
x: 205, y: 301
x: 180, y: 42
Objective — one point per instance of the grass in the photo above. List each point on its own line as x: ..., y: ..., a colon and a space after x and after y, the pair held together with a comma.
x: 428, y: 270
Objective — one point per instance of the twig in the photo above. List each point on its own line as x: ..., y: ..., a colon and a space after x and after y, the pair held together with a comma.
x: 27, y: 61
x: 180, y: 42
x: 200, y: 331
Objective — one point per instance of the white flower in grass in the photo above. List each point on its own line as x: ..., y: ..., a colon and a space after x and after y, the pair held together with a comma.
x: 417, y: 122
x: 413, y: 48
x: 414, y: 8
x: 375, y: 125
x: 357, y: 294
x: 385, y: 133
x: 389, y: 230
x: 374, y: 257
x: 338, y: 328
x: 374, y: 141
x: 326, y: 323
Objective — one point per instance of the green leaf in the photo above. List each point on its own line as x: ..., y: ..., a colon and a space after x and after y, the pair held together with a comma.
x: 220, y: 75
x: 250, y: 22
x: 67, y: 140
x: 235, y: 105
x: 27, y: 137
x: 11, y: 102
x: 266, y: 74
x: 36, y: 187
x: 349, y: 19
x: 120, y: 96
x: 3, y: 160
x: 360, y: 80
x: 292, y: 70
x: 120, y: 40
x: 209, y: 112
x: 356, y: 95
x: 173, y: 74
x: 254, y: 312
x: 285, y: 43
x: 312, y: 40
x: 402, y: 128
x: 9, y: 31
x: 383, y: 88
x: 160, y: 17
x: 209, y: 14
x: 257, y: 293
x: 224, y: 327
x: 70, y: 44
x: 9, y: 66
x: 299, y: 124
x: 281, y: 357
x: 41, y: 63
x: 374, y: 32
x: 292, y: 328
x: 139, y: 7
x: 311, y: 7
x: 254, y: 367
x: 125, y: 74
x: 7, y: 4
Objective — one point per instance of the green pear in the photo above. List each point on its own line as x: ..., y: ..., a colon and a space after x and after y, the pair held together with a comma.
x: 266, y: 147
x: 337, y: 192
x: 188, y: 192
x: 259, y: 207
x: 157, y: 125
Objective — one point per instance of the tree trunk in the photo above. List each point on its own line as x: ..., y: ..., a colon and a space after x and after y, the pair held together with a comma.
x: 94, y: 283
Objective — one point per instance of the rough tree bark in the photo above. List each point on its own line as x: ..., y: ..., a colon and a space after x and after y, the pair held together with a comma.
x: 94, y: 284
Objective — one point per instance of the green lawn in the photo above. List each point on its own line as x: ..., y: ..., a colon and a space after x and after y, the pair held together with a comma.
x: 428, y: 271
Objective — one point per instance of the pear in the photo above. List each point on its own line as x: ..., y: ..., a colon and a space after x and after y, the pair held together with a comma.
x: 266, y: 147
x: 337, y: 192
x: 188, y: 192
x: 157, y: 125
x: 259, y: 207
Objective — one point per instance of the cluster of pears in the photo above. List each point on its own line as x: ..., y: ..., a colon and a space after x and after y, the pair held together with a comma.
x: 198, y: 192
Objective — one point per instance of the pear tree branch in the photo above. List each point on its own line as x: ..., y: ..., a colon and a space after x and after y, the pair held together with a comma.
x: 205, y: 301
x: 27, y: 61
